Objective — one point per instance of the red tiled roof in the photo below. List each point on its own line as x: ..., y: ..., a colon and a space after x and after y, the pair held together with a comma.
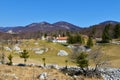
x: 62, y: 38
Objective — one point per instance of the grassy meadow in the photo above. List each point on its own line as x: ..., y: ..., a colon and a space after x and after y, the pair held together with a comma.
x: 112, y: 51
x: 50, y: 55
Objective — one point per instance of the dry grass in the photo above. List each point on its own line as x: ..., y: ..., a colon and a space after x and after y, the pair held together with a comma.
x: 112, y: 52
x: 31, y: 73
x: 50, y: 55
x: 28, y: 73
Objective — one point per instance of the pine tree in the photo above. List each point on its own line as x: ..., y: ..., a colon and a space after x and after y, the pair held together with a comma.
x: 24, y: 55
x: 70, y: 39
x: 45, y: 35
x: 81, y: 60
x: 44, y: 61
x: 79, y: 39
x: 90, y: 42
x: 93, y: 32
x: 117, y: 31
x: 67, y: 33
x: 75, y: 39
x: 10, y: 59
x: 106, y: 36
x: 83, y: 40
x: 66, y: 62
x: 3, y: 58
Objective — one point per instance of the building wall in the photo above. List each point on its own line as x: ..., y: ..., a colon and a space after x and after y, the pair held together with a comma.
x: 60, y: 41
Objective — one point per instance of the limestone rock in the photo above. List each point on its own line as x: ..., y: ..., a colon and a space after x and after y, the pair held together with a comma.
x: 62, y: 53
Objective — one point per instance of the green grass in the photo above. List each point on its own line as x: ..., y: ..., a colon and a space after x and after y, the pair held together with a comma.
x: 51, y: 55
x: 112, y: 51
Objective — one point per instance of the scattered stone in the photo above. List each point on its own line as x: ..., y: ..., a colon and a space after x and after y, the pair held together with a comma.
x: 46, y: 49
x: 111, y: 74
x: 16, y: 48
x: 39, y: 52
x: 10, y: 76
x: 35, y: 49
x: 7, y: 48
x: 70, y: 46
x: 36, y: 43
x: 116, y: 42
x: 19, y: 51
x: 51, y: 66
x: 62, y: 53
x: 80, y: 48
x: 43, y: 76
x: 88, y: 50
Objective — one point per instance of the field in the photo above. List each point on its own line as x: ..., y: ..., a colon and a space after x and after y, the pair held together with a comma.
x: 28, y: 73
x: 112, y: 51
x: 31, y: 73
x: 50, y: 55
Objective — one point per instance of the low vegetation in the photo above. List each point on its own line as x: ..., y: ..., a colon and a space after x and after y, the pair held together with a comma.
x: 101, y: 54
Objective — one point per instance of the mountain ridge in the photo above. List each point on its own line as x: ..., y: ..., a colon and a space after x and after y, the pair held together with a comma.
x: 42, y: 26
x: 60, y: 26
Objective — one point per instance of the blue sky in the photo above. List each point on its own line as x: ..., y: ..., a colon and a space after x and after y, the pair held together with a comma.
x: 79, y: 12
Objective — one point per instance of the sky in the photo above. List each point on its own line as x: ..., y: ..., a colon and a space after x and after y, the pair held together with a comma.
x: 83, y: 13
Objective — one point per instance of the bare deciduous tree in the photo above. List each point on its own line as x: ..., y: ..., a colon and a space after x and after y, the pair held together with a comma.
x: 99, y: 58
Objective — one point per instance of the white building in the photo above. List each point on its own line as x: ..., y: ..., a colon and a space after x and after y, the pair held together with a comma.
x: 61, y: 40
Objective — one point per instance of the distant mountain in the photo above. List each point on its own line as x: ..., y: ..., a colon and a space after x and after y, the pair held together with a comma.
x: 66, y: 25
x: 43, y: 26
x: 6, y: 29
x: 99, y: 28
x: 109, y: 22
x: 55, y: 28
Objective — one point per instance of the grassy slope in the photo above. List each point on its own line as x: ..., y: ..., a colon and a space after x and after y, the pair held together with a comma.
x: 112, y: 51
x: 50, y: 55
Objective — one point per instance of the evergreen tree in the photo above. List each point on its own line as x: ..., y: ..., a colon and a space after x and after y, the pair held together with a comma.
x: 70, y: 39
x: 67, y: 33
x: 83, y: 40
x: 44, y: 61
x: 75, y: 39
x: 117, y: 31
x: 106, y: 36
x: 10, y: 59
x: 24, y: 55
x: 63, y: 34
x: 3, y: 58
x: 93, y: 32
x: 45, y: 35
x: 66, y: 62
x: 79, y: 39
x: 80, y: 59
x: 90, y: 42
